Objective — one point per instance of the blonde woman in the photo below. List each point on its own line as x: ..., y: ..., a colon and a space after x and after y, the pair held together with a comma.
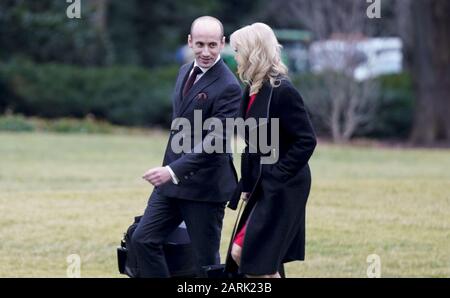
x: 271, y: 230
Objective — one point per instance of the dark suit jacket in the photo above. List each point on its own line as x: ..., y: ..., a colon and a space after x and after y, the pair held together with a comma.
x: 203, y: 176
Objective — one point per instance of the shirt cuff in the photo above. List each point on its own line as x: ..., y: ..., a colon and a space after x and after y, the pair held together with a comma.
x: 175, y: 179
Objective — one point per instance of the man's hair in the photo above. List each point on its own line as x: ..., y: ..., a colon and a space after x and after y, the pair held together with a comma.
x: 209, y: 18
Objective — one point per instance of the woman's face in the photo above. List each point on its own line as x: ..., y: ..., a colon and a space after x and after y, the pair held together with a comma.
x: 238, y: 57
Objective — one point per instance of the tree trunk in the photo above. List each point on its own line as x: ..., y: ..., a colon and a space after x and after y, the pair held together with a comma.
x: 431, y: 71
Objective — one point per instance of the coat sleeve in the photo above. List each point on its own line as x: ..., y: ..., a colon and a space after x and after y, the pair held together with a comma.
x: 295, y: 124
x: 226, y: 106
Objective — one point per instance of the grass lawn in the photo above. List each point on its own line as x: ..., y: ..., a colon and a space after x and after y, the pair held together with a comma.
x: 76, y: 194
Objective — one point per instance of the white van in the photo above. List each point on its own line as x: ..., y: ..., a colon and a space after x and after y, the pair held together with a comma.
x: 363, y: 59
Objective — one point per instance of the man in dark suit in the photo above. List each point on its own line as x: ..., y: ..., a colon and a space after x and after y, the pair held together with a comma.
x: 192, y: 186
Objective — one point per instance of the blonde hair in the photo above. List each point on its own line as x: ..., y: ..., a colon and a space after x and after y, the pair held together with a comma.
x: 260, y: 56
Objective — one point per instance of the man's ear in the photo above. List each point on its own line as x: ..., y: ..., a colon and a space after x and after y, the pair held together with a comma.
x: 189, y: 40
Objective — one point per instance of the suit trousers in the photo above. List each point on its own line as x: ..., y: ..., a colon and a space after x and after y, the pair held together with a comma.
x: 162, y: 216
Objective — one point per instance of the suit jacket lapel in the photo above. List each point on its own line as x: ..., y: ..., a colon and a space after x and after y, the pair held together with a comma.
x: 207, y: 79
x: 184, y: 73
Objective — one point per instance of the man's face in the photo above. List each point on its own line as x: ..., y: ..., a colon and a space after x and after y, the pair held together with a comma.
x: 206, y: 42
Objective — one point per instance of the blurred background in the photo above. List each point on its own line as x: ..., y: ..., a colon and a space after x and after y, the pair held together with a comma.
x: 85, y: 104
x: 384, y: 78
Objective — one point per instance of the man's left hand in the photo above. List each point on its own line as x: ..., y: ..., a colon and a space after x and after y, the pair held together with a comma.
x: 157, y: 176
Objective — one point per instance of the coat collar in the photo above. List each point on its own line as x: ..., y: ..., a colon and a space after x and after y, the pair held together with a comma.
x: 261, y: 97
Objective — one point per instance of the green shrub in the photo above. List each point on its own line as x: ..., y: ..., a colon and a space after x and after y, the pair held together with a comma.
x: 19, y: 123
x: 67, y: 125
x: 395, y: 105
x: 124, y: 95
x: 312, y: 89
x: 15, y: 123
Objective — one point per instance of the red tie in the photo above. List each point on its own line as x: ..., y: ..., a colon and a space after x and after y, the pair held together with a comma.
x: 191, y: 80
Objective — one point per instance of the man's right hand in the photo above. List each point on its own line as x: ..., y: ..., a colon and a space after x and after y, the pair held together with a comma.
x: 157, y: 176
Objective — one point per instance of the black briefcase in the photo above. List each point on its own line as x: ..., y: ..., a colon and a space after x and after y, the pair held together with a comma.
x: 178, y: 251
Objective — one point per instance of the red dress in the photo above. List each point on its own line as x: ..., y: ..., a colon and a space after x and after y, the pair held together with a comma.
x: 239, y: 239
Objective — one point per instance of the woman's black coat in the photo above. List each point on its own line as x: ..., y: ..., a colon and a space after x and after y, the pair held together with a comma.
x: 275, y: 210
